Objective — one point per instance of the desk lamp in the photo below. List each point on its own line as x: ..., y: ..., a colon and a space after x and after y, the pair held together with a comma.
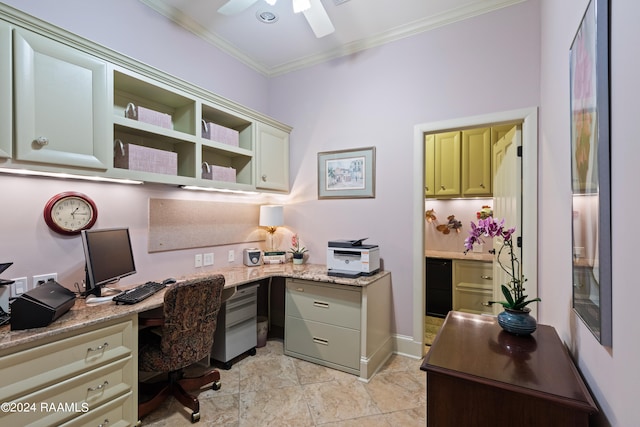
x: 271, y: 217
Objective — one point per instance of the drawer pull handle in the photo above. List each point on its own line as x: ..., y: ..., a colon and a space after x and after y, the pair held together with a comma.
x: 321, y: 304
x: 300, y: 289
x: 98, y: 348
x: 486, y: 304
x: 320, y: 341
x: 486, y: 277
x: 104, y: 423
x: 98, y: 387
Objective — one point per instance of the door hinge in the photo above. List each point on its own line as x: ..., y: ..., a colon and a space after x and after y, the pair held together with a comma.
x: 519, y: 241
x: 519, y: 151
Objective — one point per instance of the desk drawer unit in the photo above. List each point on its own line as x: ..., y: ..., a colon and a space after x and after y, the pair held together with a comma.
x: 323, y: 324
x: 473, y: 286
x: 65, y: 379
x: 236, y: 328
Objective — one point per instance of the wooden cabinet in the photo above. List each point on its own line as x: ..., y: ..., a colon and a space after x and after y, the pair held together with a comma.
x: 272, y: 153
x: 93, y: 372
x: 476, y: 162
x: 6, y: 88
x: 476, y: 371
x: 66, y: 111
x: 339, y: 326
x: 472, y: 286
x: 60, y: 104
x: 458, y: 164
x: 439, y: 294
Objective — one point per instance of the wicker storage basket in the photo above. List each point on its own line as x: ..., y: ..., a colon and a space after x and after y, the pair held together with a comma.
x: 144, y: 159
x: 220, y: 134
x: 146, y: 115
x: 218, y: 173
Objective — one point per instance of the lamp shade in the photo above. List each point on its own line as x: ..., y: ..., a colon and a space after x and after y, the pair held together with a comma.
x: 271, y: 215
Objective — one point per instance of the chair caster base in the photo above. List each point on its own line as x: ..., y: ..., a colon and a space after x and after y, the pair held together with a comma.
x: 195, y: 417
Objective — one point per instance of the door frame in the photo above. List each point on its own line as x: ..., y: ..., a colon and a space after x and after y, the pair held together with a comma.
x: 529, y: 118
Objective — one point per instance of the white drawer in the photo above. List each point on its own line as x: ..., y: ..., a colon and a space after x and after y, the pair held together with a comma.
x: 478, y: 272
x: 334, y: 305
x: 111, y: 414
x: 472, y: 298
x: 73, y: 397
x: 36, y: 368
x: 327, y: 343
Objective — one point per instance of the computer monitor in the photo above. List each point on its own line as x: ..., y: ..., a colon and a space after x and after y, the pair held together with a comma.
x: 108, y: 256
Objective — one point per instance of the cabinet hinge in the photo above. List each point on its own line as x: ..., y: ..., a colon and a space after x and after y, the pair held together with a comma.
x: 519, y: 241
x: 519, y: 151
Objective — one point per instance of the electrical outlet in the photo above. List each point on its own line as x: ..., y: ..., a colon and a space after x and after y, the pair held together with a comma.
x: 232, y: 256
x: 18, y: 287
x: 198, y: 260
x: 208, y: 259
x: 41, y: 279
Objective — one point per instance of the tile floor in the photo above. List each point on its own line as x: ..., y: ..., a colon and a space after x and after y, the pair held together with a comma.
x: 271, y: 389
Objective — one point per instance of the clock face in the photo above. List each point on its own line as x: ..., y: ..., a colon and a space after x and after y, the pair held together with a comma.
x: 70, y: 212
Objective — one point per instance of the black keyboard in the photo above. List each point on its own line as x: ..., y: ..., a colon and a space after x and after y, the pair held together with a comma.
x: 139, y: 293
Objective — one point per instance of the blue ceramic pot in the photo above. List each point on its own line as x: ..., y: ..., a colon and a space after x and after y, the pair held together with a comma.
x: 517, y: 322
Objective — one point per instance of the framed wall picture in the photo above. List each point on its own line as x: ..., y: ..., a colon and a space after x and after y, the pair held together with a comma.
x: 590, y: 171
x: 347, y: 174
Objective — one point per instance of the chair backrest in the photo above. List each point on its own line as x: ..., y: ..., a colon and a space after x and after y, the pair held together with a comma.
x: 190, y: 316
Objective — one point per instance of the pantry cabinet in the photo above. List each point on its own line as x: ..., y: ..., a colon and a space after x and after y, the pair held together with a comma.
x: 6, y: 99
x: 476, y: 162
x: 447, y: 149
x: 60, y: 104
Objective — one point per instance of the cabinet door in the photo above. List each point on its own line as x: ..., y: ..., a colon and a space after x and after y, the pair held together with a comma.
x: 60, y: 104
x: 429, y: 165
x: 447, y: 164
x: 272, y: 153
x: 476, y: 162
x: 439, y: 294
x: 6, y: 118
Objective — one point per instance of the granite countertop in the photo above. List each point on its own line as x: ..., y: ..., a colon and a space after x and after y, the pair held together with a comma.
x: 470, y: 256
x: 81, y: 315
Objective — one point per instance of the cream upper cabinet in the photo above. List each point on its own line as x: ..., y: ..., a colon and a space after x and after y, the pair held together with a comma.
x: 6, y: 117
x: 60, y: 104
x: 272, y: 154
x: 476, y: 162
x: 429, y: 165
x: 447, y: 148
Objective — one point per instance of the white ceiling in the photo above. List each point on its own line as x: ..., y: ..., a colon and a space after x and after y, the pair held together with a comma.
x: 289, y: 43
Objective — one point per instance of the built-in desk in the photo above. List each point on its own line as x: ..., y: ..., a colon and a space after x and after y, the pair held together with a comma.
x: 478, y: 375
x: 89, y: 355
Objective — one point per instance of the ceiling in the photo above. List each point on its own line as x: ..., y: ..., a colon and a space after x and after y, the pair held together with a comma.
x: 289, y: 43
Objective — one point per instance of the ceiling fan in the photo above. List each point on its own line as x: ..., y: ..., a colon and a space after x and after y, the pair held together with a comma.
x: 313, y: 10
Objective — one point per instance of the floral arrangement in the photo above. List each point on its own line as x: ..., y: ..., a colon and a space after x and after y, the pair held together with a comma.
x: 295, y: 246
x: 484, y: 213
x: 513, y: 290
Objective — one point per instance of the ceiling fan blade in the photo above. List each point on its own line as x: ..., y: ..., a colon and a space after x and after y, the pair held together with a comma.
x: 318, y: 19
x: 235, y: 6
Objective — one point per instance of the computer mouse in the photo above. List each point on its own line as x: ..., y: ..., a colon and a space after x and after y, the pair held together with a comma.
x: 169, y: 281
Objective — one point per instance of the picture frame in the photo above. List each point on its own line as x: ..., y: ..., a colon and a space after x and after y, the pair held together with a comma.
x: 591, y: 171
x: 347, y: 174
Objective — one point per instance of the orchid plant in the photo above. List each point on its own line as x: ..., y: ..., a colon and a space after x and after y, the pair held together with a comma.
x: 513, y: 290
x: 295, y: 246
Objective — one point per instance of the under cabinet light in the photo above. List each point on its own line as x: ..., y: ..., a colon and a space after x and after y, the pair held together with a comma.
x: 217, y: 190
x: 301, y: 5
x: 61, y: 175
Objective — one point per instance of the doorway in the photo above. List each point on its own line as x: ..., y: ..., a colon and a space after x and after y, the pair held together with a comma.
x: 529, y: 120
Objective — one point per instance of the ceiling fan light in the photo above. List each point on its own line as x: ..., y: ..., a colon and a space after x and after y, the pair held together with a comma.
x: 271, y: 2
x: 301, y: 5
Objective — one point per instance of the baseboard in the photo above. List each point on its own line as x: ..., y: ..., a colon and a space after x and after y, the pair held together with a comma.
x: 406, y: 346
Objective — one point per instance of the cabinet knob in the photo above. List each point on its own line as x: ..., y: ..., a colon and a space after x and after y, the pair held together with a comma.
x: 481, y: 185
x: 486, y: 277
x: 42, y: 141
x: 442, y: 187
x: 264, y: 178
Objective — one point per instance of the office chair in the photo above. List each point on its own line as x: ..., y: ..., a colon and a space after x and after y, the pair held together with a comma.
x: 184, y: 336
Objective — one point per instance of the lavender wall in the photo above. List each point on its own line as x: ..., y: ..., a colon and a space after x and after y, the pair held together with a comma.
x: 375, y: 98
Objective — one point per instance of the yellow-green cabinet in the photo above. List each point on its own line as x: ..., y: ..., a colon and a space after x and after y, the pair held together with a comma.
x: 6, y: 117
x: 447, y: 164
x: 60, y: 100
x: 476, y: 162
x: 272, y: 154
x: 429, y: 165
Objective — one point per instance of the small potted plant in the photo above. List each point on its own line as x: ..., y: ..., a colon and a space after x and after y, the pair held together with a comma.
x: 515, y: 318
x: 296, y: 250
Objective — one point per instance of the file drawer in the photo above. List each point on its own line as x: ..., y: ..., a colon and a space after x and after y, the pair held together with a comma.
x: 335, y: 305
x: 326, y: 343
x: 51, y: 363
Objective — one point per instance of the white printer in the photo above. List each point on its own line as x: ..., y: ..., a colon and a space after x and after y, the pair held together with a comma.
x: 350, y: 258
